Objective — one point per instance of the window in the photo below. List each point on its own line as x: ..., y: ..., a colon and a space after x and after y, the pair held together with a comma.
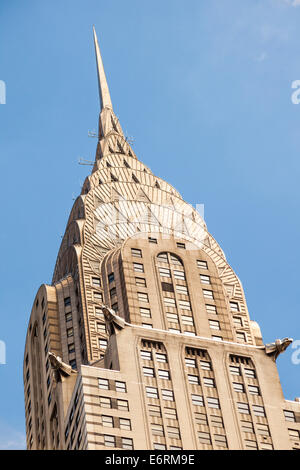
x: 73, y: 363
x: 263, y: 429
x: 158, y: 446
x: 179, y: 275
x: 102, y: 343
x: 294, y: 434
x: 258, y: 410
x: 193, y: 379
x: 145, y: 312
x: 115, y: 307
x: 170, y: 302
x: 107, y: 421
x: 68, y: 317
x: 204, y: 279
x: 172, y: 317
x: 139, y: 281
x: 175, y: 260
x: 190, y: 362
x: 204, y: 437
x: 67, y: 301
x: 111, y: 277
x: 96, y: 281
x: 148, y: 372
x: 235, y: 370
x: 136, y: 252
x: 201, y: 264
x: 247, y: 426
x: 164, y: 374
x: 208, y: 382
x: 105, y: 402
x: 240, y: 336
x: 237, y: 321
x: 214, y: 324
x: 98, y: 296
x: 146, y: 355
x: 243, y: 408
x: 266, y: 446
x: 237, y: 387
x: 180, y: 245
x: 163, y: 257
x: 173, y: 432
x: 142, y: 297
x: 186, y: 320
x: 161, y: 357
x: 152, y: 240
x: 211, y: 309
x: 217, y: 421
x: 205, y: 365
x: 253, y: 389
x: 208, y: 294
x: 138, y: 267
x: 120, y: 386
x: 170, y: 413
x: 197, y: 400
x: 113, y: 292
x: 157, y: 429
x: 127, y: 443
x: 289, y: 416
x: 213, y: 402
x: 151, y: 392
x: 250, y: 373
x: 234, y: 306
x: 154, y: 410
x: 109, y: 441
x: 251, y: 445
x: 164, y: 272
x: 122, y: 405
x: 184, y: 305
x: 103, y: 383
x: 217, y: 338
x: 167, y: 287
x: 147, y: 325
x: 167, y: 395
x: 201, y: 419
x: 174, y: 330
x: 220, y: 440
x: 101, y: 327
x: 99, y: 313
x: 181, y: 289
x: 125, y: 424
x: 70, y: 332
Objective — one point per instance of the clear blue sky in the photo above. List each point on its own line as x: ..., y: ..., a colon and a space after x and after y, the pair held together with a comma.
x: 204, y: 88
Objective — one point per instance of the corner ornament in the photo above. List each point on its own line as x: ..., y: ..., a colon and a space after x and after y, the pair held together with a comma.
x: 60, y: 369
x: 112, y: 320
x: 278, y: 347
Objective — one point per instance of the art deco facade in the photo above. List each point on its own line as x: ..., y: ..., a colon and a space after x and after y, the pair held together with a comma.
x: 143, y: 340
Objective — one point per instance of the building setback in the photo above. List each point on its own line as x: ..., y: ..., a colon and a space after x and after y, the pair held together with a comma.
x: 143, y: 340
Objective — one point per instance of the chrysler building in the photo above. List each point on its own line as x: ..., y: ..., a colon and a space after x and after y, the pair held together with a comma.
x: 143, y: 340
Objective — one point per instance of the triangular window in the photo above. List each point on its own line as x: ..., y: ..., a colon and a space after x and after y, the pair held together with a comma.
x: 113, y: 178
x: 134, y: 178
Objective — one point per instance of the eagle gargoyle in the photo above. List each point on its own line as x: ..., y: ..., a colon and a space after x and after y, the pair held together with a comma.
x: 278, y: 347
x: 60, y: 368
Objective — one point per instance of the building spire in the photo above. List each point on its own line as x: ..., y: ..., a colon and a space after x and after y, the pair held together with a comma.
x: 105, y: 100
